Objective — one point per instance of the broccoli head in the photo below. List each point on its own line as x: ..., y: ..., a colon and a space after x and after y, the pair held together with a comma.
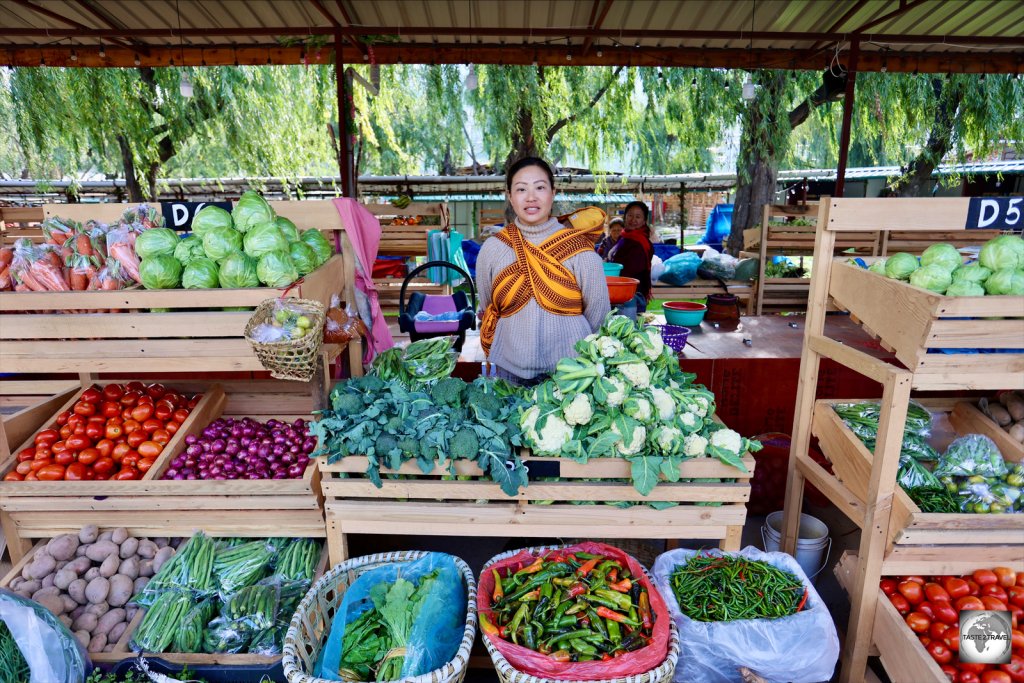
x: 485, y: 403
x: 409, y: 446
x: 385, y: 443
x: 464, y: 444
x: 369, y: 384
x: 448, y: 391
x: 393, y: 425
x: 346, y: 404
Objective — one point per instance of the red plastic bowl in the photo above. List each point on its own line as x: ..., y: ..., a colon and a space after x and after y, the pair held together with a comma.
x: 621, y: 289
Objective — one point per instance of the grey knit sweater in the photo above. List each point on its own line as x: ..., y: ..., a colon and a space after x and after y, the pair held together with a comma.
x: 531, y: 342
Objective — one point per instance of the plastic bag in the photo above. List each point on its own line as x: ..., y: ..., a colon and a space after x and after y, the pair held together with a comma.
x: 970, y: 455
x: 189, y: 569
x: 142, y: 217
x: 223, y: 636
x: 981, y: 496
x: 714, y: 651
x: 912, y: 474
x: 162, y: 622
x: 680, y: 269
x: 437, y: 629
x: 58, y: 230
x: 537, y: 664
x: 254, y: 608
x: 121, y: 247
x: 657, y: 268
x: 189, y: 636
x: 717, y: 266
x: 288, y: 320
x: 52, y: 653
x: 242, y: 565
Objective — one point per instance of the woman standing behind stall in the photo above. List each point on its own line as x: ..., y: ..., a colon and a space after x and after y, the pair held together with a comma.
x: 636, y: 251
x: 541, y: 284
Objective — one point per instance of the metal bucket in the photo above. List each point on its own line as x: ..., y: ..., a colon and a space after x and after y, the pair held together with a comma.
x: 812, y: 541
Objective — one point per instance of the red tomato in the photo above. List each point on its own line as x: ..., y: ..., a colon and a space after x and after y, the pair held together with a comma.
x: 76, y: 471
x: 152, y: 425
x: 936, y: 593
x: 50, y: 473
x: 172, y: 427
x: 984, y: 577
x: 149, y: 449
x: 145, y: 464
x: 993, y: 603
x: 129, y: 398
x: 113, y: 392
x: 89, y: 409
x: 156, y: 390
x: 26, y: 454
x: 37, y: 465
x: 43, y: 452
x: 88, y: 456
x: 137, y: 387
x: 180, y: 415
x: 137, y: 437
x: 915, y: 579
x: 900, y: 603
x: 62, y: 418
x: 888, y: 586
x: 945, y: 613
x: 995, y: 590
x: 950, y: 671
x: 130, y: 426
x: 912, y: 591
x: 76, y: 420
x: 936, y: 630
x: 972, y: 668
x: 141, y: 413
x: 14, y: 476
x: 110, y: 409
x: 1017, y: 640
x: 77, y: 443
x: 918, y: 622
x: 91, y: 395
x: 31, y: 476
x: 95, y: 431
x: 174, y: 398
x: 66, y: 431
x: 1020, y: 579
x: 996, y: 677
x: 127, y: 473
x: 161, y: 436
x: 120, y: 450
x: 65, y: 458
x: 1015, y: 594
x: 130, y: 460
x: 973, y: 585
x: 1016, y: 616
x: 163, y: 411
x: 103, y: 467
x: 1015, y: 668
x: 146, y: 400
x: 951, y: 638
x: 194, y: 401
x: 939, y: 652
x: 25, y: 467
x: 970, y: 602
x: 46, y: 437
x: 105, y: 447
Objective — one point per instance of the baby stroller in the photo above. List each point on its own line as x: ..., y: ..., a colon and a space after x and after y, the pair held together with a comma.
x: 456, y: 313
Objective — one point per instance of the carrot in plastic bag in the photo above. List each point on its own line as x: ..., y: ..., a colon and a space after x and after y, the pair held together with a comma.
x: 6, y: 256
x: 6, y: 282
x: 49, y: 275
x: 25, y: 253
x: 98, y: 237
x: 58, y: 230
x: 121, y: 247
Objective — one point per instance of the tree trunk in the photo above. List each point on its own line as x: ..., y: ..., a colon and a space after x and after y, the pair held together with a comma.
x: 917, y: 181
x: 131, y: 182
x: 750, y: 197
x: 151, y: 175
x: 525, y: 144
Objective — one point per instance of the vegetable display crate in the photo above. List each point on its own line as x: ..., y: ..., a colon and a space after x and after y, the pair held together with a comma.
x: 917, y: 538
x: 155, y: 507
x: 427, y: 505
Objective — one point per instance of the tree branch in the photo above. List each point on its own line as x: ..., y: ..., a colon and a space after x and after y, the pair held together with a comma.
x: 559, y: 125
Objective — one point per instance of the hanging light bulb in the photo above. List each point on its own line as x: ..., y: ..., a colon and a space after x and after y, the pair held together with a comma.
x: 74, y: 55
x: 749, y: 91
x: 103, y: 52
x: 471, y: 81
x: 693, y: 83
x: 137, y: 60
x: 186, y: 87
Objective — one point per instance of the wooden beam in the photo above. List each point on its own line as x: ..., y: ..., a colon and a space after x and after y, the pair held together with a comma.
x: 844, y: 135
x: 70, y: 22
x: 595, y: 24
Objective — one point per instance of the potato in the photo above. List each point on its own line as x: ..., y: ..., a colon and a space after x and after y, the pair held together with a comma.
x: 120, y: 590
x: 105, y: 536
x: 79, y: 565
x: 129, y: 568
x: 77, y: 591
x: 24, y: 593
x: 130, y: 611
x: 77, y: 612
x: 92, y: 573
x: 162, y: 556
x: 48, y: 580
x: 161, y: 541
x: 45, y: 591
x: 109, y: 647
x: 146, y: 568
x: 1000, y: 414
x: 147, y: 549
x: 98, y: 610
x: 97, y: 590
x: 63, y: 578
x: 129, y: 547
x: 116, y: 632
x: 63, y: 547
x: 30, y: 586
x: 1017, y: 431
x: 69, y: 604
x: 109, y: 621
x: 15, y: 582
x: 86, y: 622
x: 81, y: 551
x: 139, y: 584
x: 89, y: 533
x: 109, y: 566
x: 50, y: 599
x: 101, y: 550
x: 1014, y: 405
x: 65, y: 619
x: 83, y: 637
x: 119, y: 535
x: 42, y: 565
x: 97, y: 643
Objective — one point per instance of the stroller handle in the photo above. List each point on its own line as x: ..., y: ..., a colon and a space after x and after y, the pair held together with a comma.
x: 435, y: 264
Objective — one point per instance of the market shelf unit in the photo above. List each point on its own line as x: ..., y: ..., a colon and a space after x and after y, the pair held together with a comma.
x: 430, y: 506
x: 156, y: 507
x: 896, y: 538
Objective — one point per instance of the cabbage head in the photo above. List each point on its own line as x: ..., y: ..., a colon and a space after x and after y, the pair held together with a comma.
x: 156, y: 242
x: 160, y: 272
x: 219, y: 243
x: 944, y: 255
x: 1006, y: 281
x: 965, y: 288
x: 878, y: 266
x: 202, y: 273
x: 935, y: 278
x: 974, y: 272
x: 250, y: 211
x: 276, y: 269
x: 1005, y: 251
x: 238, y: 271
x: 189, y: 249
x: 287, y: 228
x: 319, y: 244
x: 210, y: 217
x: 899, y: 266
x: 303, y: 257
x: 263, y: 239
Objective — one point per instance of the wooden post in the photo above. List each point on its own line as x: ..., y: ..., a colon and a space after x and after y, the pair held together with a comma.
x: 844, y: 137
x: 346, y: 159
x: 762, y: 258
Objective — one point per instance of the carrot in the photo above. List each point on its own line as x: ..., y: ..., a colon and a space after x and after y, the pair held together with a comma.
x: 49, y: 276
x: 79, y: 279
x: 5, y: 278
x: 6, y: 256
x: 21, y: 288
x: 83, y: 245
x: 58, y: 238
x: 27, y: 279
x: 54, y: 259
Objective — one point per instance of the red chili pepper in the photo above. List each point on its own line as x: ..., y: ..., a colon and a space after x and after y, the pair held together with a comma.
x: 532, y: 595
x: 588, y: 566
x: 487, y: 627
x: 561, y: 656
x: 603, y: 611
x: 605, y: 657
x: 499, y: 592
x: 613, y: 575
x: 622, y: 586
x: 646, y: 618
x: 577, y: 589
x: 533, y: 568
x: 802, y: 601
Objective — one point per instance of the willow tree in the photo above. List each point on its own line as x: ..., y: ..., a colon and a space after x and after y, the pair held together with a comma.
x: 135, y: 122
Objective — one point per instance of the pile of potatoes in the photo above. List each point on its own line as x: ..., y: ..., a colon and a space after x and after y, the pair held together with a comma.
x: 87, y: 579
x: 1007, y: 412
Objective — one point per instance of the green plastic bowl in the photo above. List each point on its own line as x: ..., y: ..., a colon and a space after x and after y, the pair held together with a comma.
x: 612, y: 269
x: 684, y: 313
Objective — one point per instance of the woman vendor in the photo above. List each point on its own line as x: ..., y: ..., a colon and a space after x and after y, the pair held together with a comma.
x: 541, y: 284
x: 635, y: 252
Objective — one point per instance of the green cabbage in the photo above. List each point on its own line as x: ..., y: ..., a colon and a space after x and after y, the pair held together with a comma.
x: 219, y: 243
x: 210, y: 217
x: 319, y: 244
x: 935, y: 278
x: 974, y: 272
x: 202, y: 273
x: 189, y: 249
x: 1006, y: 281
x: 156, y: 242
x: 899, y: 266
x: 965, y: 288
x: 1005, y: 251
x: 276, y: 269
x: 287, y: 228
x: 263, y: 239
x: 238, y: 271
x: 160, y: 272
x: 878, y: 266
x: 250, y: 211
x: 944, y: 255
x: 303, y: 257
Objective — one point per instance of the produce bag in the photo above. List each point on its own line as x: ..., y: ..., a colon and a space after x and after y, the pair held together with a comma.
x: 240, y: 566
x: 912, y: 475
x: 537, y: 664
x: 189, y: 636
x: 437, y: 626
x: 680, y: 269
x: 142, y: 217
x: 800, y: 648
x: 121, y: 247
x: 970, y: 455
x: 717, y: 266
x: 53, y: 655
x: 253, y: 608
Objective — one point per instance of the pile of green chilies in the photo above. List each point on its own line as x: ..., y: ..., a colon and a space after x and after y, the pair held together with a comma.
x: 723, y: 588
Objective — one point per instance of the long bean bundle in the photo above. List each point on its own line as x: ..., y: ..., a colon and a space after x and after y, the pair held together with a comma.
x: 723, y: 588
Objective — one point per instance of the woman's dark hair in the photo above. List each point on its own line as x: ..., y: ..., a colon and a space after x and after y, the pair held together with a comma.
x: 640, y: 205
x: 523, y: 163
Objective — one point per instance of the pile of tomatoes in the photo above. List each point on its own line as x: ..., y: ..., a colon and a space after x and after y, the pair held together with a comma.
x: 931, y: 607
x: 116, y: 432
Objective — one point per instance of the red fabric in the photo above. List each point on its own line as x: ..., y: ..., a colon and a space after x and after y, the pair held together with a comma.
x: 388, y: 268
x: 537, y: 664
x: 642, y: 239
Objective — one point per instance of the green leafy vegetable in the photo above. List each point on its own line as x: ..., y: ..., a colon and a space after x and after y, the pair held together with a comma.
x: 210, y: 217
x: 275, y: 269
x: 156, y: 242
x: 250, y: 211
x: 221, y: 242
x: 899, y: 266
x: 238, y: 271
x: 160, y: 272
x: 201, y: 273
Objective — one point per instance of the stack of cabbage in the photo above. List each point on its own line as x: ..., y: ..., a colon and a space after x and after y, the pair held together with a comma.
x: 998, y: 270
x: 245, y: 248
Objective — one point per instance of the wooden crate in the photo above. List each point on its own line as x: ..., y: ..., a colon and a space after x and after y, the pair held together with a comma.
x: 19, y: 222
x: 895, y: 241
x: 407, y: 240
x: 156, y: 507
x: 997, y: 537
x: 914, y: 322
x: 429, y: 506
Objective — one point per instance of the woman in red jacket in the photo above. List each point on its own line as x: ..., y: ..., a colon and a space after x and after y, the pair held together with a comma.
x: 635, y: 252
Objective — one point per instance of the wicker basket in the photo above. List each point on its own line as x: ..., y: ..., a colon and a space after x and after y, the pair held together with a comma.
x: 294, y: 359
x: 508, y: 674
x: 312, y: 620
x: 675, y: 336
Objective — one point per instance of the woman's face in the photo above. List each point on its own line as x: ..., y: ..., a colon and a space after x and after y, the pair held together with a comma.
x: 615, y: 231
x: 531, y: 195
x: 634, y: 219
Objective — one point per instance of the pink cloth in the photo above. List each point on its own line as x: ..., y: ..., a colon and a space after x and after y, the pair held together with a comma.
x: 364, y: 230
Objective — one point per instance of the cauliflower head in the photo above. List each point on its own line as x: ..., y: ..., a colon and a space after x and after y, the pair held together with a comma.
x: 579, y: 411
x: 728, y: 440
x: 549, y: 440
x: 702, y: 405
x: 615, y: 398
x: 634, y: 446
x: 695, y: 446
x: 608, y: 347
x: 668, y: 440
x: 664, y: 404
x: 649, y: 343
x: 638, y: 408
x: 637, y: 374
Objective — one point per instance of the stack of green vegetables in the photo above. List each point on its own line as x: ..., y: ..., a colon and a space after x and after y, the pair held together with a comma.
x: 231, y: 596
x: 245, y: 248
x: 625, y: 396
x: 726, y: 588
x: 999, y: 269
x: 13, y: 666
x: 421, y: 362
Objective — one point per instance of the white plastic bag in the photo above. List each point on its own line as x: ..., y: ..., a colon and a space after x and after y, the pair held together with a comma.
x: 51, y: 652
x: 801, y: 648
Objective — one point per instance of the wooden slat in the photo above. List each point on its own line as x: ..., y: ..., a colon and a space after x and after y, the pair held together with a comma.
x: 17, y: 428
x: 981, y: 539
x: 128, y: 325
x: 967, y: 334
x: 907, y: 215
x: 951, y: 559
x: 178, y: 523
